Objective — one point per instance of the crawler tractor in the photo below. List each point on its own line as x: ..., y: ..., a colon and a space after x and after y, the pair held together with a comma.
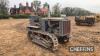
x: 49, y: 32
x: 87, y: 20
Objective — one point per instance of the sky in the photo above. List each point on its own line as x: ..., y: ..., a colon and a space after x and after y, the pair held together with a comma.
x: 91, y: 5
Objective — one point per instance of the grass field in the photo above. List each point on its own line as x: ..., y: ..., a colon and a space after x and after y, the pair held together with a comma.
x: 14, y: 41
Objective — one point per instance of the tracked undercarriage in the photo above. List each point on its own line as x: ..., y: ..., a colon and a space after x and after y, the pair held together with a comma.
x: 49, y: 33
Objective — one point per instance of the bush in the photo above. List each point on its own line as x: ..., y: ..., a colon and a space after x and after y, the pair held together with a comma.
x: 20, y: 16
x: 43, y: 15
x: 55, y: 15
x: 4, y: 16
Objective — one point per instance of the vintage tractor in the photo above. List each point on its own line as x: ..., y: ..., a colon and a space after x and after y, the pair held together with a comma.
x: 49, y: 32
x: 85, y: 20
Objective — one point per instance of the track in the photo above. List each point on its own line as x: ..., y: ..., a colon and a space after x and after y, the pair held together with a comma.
x: 44, y: 39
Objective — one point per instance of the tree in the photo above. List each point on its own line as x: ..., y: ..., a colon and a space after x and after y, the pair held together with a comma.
x: 4, y: 7
x: 46, y: 5
x: 69, y: 11
x: 56, y: 10
x: 36, y: 4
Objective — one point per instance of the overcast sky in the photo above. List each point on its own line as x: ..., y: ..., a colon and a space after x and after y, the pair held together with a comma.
x: 92, y: 5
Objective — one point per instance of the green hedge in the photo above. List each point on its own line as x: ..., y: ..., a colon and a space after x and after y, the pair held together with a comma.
x: 52, y: 15
x: 55, y: 15
x: 4, y: 16
x: 18, y: 16
x: 25, y: 16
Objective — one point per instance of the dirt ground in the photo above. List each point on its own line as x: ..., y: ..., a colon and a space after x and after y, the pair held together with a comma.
x: 14, y: 41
